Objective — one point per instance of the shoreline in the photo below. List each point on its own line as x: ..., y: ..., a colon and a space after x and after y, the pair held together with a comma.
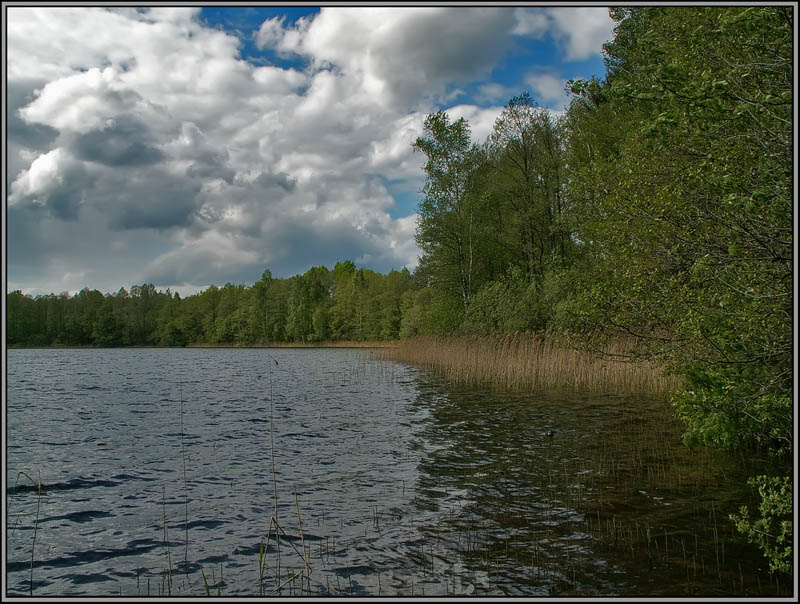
x: 331, y: 344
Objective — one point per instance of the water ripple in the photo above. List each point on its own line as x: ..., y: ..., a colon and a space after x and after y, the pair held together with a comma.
x: 387, y: 482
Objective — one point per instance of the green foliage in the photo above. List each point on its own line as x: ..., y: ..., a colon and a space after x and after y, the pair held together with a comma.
x: 430, y: 311
x: 719, y: 409
x: 772, y: 530
x: 681, y: 199
x: 506, y: 305
x: 527, y: 154
x: 448, y: 224
x: 320, y: 305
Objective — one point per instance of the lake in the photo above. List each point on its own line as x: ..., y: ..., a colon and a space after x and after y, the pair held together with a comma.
x: 161, y: 469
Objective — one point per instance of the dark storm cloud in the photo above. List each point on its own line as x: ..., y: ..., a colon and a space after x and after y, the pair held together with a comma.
x: 199, y: 270
x: 298, y: 245
x: 26, y: 253
x: 61, y: 198
x: 21, y: 136
x: 156, y: 201
x: 214, y: 168
x: 63, y: 254
x: 208, y: 161
x: 125, y: 142
x: 31, y: 136
x: 64, y: 204
x: 267, y: 180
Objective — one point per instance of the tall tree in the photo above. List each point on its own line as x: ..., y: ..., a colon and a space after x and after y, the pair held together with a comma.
x: 526, y: 150
x: 447, y: 219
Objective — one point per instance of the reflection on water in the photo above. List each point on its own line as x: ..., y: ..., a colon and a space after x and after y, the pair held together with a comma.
x: 403, y: 486
x: 575, y: 495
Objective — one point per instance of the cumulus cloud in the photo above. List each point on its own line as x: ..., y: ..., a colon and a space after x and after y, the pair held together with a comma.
x: 548, y: 89
x: 401, y: 54
x: 581, y: 31
x: 493, y: 92
x: 481, y: 121
x: 23, y: 141
x: 122, y: 141
x: 142, y: 146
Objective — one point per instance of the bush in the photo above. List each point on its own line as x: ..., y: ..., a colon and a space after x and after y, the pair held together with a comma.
x: 772, y: 531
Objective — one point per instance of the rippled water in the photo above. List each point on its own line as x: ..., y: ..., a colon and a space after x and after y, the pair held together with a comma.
x: 402, y: 485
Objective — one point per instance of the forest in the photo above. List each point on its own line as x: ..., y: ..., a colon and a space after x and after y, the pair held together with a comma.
x: 658, y: 207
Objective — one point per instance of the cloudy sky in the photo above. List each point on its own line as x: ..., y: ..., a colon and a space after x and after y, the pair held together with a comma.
x: 189, y: 146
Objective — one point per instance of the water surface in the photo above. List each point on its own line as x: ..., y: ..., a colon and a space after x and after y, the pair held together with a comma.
x: 387, y: 481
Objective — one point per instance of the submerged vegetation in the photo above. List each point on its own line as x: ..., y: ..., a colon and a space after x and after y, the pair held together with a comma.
x: 658, y: 209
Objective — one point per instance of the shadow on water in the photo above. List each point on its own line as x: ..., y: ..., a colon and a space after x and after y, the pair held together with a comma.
x: 582, y: 495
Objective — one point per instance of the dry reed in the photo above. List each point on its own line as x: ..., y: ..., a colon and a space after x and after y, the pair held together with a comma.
x: 531, y: 361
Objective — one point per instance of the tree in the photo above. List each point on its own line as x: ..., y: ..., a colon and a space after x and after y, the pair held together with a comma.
x: 526, y: 151
x: 686, y: 216
x: 261, y: 293
x: 306, y: 293
x: 107, y: 329
x: 343, y: 312
x: 447, y: 224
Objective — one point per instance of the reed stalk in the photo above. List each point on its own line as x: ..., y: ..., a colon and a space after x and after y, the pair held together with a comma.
x: 274, y: 519
x: 36, y: 523
x: 302, y: 541
x: 205, y: 582
x: 185, y: 487
x: 274, y: 523
x: 166, y: 540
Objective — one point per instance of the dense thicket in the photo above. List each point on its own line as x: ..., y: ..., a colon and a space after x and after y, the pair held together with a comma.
x: 658, y: 207
x: 680, y: 188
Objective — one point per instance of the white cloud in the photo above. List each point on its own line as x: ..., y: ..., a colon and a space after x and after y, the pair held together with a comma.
x: 580, y: 30
x: 493, y: 92
x: 481, y: 121
x: 169, y: 158
x: 271, y: 33
x: 548, y: 89
x: 43, y: 174
x: 401, y: 54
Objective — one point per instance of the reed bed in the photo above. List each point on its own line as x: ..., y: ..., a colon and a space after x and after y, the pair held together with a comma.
x: 532, y: 361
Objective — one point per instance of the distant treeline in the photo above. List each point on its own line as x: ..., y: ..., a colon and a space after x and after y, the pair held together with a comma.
x: 658, y: 207
x: 345, y: 303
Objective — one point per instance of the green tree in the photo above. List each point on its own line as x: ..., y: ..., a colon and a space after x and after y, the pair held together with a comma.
x: 306, y: 293
x: 681, y: 187
x: 107, y: 330
x: 526, y: 151
x: 447, y: 219
x: 19, y: 318
x: 343, y: 311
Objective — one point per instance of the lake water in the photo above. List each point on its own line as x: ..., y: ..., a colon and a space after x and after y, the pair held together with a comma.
x: 388, y: 482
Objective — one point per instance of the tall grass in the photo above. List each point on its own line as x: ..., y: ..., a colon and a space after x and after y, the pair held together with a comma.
x: 532, y: 361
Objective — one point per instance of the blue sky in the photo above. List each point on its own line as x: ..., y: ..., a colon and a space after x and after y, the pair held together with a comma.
x: 244, y: 23
x: 185, y: 146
